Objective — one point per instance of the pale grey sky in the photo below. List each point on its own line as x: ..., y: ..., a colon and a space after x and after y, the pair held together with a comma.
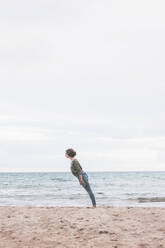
x: 83, y: 74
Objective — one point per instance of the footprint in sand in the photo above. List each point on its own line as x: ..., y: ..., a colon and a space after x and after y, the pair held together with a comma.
x: 81, y: 229
x: 114, y: 239
x: 103, y: 231
x: 124, y: 229
x: 161, y: 229
x: 143, y: 245
x: 73, y: 227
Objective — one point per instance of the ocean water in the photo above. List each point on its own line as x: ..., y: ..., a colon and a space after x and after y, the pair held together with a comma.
x: 142, y: 189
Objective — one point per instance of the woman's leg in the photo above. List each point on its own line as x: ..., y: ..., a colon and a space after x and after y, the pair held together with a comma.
x: 88, y: 189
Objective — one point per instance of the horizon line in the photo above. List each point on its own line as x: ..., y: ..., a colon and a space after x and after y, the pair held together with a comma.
x: 86, y: 171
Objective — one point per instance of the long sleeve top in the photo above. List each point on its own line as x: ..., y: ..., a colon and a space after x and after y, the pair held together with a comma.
x: 76, y: 168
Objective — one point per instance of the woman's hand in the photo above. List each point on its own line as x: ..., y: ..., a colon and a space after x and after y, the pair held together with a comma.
x: 81, y: 180
x: 83, y: 183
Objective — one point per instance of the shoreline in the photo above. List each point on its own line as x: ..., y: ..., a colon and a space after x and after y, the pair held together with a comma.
x: 69, y: 226
x: 83, y: 207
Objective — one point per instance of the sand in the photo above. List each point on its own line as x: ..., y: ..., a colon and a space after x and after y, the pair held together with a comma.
x: 51, y: 227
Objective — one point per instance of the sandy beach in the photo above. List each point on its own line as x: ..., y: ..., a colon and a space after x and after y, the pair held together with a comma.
x: 49, y: 227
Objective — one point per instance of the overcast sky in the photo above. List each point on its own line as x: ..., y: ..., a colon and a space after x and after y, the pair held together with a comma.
x: 87, y: 75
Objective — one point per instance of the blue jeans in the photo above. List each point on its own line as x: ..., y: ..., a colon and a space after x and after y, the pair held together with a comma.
x: 88, y: 188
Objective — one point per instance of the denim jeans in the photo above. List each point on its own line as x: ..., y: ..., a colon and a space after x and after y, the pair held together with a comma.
x: 88, y: 188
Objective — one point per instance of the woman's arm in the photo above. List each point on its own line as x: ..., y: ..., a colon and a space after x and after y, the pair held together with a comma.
x: 76, y: 167
x: 80, y: 176
x: 81, y: 180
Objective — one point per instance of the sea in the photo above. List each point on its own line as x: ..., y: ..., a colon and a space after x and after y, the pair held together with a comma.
x: 140, y: 189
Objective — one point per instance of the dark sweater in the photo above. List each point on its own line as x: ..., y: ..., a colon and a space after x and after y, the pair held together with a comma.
x: 76, y: 168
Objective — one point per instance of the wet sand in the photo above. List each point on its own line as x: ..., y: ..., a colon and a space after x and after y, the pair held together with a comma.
x: 51, y: 227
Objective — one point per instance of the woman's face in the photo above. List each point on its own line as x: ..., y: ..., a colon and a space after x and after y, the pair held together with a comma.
x: 66, y: 155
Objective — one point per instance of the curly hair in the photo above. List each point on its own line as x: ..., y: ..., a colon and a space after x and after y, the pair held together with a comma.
x: 71, y: 152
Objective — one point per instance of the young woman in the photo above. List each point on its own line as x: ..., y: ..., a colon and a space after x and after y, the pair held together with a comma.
x: 82, y: 176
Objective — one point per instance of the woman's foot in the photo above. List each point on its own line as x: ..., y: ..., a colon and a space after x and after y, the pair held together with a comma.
x: 92, y: 206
